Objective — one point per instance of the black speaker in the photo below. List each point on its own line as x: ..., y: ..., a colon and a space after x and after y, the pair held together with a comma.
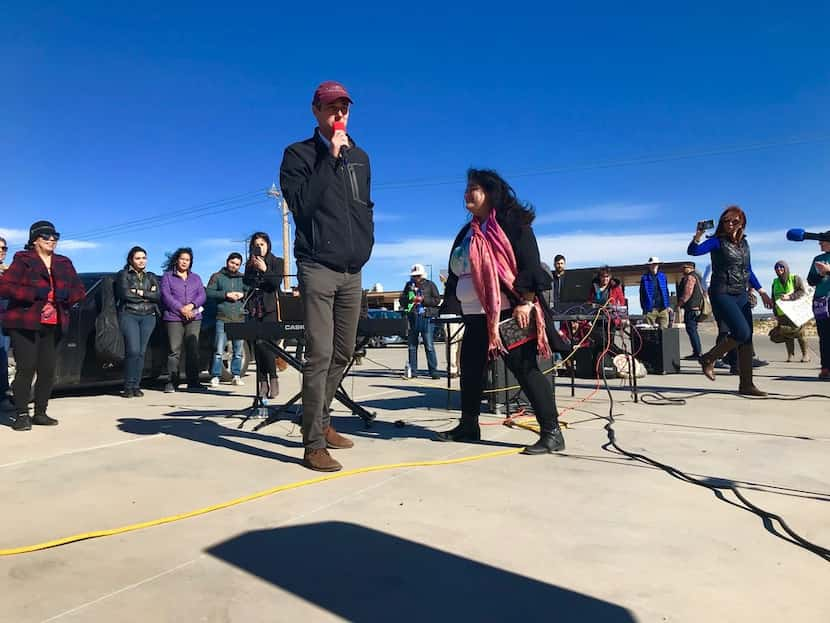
x: 660, y: 352
x: 500, y: 377
x: 585, y: 361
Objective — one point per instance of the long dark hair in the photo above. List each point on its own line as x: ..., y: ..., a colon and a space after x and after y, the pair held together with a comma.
x: 254, y: 236
x: 732, y: 212
x: 501, y: 196
x: 136, y: 249
x: 173, y: 258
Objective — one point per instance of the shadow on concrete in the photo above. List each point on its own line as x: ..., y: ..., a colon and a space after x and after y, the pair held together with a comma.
x: 210, y: 433
x: 378, y: 577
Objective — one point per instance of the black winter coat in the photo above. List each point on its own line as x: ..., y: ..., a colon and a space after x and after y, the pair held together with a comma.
x: 330, y: 200
x: 531, y: 277
x: 128, y: 283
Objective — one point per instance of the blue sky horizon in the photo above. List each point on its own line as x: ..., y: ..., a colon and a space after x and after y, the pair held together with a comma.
x: 164, y: 126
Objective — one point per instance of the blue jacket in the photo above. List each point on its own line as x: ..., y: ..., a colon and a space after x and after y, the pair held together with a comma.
x: 647, y: 283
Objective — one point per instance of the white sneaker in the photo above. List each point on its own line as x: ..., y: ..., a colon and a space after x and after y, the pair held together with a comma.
x: 237, y: 381
x: 214, y: 382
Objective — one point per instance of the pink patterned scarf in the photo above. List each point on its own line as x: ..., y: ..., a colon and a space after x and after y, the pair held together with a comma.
x: 493, y: 266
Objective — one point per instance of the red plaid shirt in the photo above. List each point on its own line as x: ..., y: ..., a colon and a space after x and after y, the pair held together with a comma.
x: 26, y: 285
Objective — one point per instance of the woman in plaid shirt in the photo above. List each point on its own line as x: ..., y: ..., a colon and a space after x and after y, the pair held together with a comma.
x: 40, y: 286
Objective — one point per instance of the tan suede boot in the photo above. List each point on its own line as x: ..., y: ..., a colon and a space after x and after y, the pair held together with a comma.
x: 336, y: 441
x: 320, y: 460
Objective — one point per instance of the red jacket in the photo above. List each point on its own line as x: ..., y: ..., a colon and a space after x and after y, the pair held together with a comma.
x: 26, y: 285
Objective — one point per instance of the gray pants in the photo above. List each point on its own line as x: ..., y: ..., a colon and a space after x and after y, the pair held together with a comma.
x: 331, y: 307
x: 183, y: 336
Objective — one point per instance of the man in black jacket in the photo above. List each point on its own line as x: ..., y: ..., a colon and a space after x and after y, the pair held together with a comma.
x: 420, y: 301
x: 326, y: 181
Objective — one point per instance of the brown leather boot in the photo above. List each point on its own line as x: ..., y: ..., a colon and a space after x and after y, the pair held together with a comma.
x: 320, y: 460
x: 746, y: 386
x: 707, y: 361
x: 336, y: 441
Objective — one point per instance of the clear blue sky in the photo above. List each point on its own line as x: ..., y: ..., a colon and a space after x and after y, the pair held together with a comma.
x: 113, y: 112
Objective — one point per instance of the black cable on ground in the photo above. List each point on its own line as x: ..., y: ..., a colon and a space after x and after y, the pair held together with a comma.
x: 716, y: 486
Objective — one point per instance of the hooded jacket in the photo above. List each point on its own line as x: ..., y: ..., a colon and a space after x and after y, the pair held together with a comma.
x: 330, y: 200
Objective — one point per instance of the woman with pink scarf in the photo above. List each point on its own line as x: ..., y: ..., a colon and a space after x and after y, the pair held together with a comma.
x: 495, y: 273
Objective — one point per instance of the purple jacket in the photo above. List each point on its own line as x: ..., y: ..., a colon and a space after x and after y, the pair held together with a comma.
x: 177, y: 292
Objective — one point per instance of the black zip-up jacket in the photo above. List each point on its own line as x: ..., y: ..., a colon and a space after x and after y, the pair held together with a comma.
x: 268, y: 282
x: 330, y: 200
x: 127, y: 285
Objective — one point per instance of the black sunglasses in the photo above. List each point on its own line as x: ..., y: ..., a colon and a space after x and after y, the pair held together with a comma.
x: 53, y: 236
x: 4, y: 248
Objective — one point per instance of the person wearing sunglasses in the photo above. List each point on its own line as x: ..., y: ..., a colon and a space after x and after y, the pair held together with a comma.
x: 787, y: 287
x: 41, y: 287
x: 732, y: 278
x: 4, y: 339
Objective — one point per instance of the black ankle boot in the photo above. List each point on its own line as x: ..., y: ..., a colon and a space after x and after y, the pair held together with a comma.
x: 22, y: 422
x: 41, y: 419
x: 467, y: 430
x: 547, y: 443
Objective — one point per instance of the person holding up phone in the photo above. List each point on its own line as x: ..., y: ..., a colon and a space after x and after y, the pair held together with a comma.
x: 263, y: 274
x: 495, y: 273
x: 819, y: 277
x: 419, y: 299
x: 732, y: 278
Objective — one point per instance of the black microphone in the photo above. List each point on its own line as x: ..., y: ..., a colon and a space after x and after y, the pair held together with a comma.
x: 799, y: 235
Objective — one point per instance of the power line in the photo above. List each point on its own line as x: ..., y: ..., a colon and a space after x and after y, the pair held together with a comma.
x: 230, y: 203
x: 166, y: 215
x: 718, y: 151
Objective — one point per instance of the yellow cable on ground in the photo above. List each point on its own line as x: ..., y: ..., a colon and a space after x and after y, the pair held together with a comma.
x: 261, y: 494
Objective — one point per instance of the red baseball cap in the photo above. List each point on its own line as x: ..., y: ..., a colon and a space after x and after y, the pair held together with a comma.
x: 329, y: 91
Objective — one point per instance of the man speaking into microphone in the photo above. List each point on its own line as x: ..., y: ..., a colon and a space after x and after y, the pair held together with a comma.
x: 326, y: 181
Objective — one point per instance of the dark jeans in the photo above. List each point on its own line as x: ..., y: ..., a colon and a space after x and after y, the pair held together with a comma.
x: 4, y: 364
x: 183, y: 336
x: 522, y: 363
x: 136, y: 330
x: 691, y: 318
x: 331, y: 306
x: 734, y: 311
x: 421, y: 325
x: 823, y: 327
x: 34, y: 351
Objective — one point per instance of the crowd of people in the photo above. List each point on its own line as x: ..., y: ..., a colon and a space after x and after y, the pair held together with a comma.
x: 495, y: 281
x: 40, y: 286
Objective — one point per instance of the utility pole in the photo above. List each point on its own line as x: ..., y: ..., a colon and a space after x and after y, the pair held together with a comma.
x: 282, y: 207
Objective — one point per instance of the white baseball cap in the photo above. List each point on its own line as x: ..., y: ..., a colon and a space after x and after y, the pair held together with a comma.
x: 417, y: 270
x: 653, y: 260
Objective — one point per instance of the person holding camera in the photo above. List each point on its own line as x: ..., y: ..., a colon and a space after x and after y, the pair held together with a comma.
x: 732, y: 278
x: 495, y: 274
x: 263, y: 273
x: 420, y: 300
x: 41, y: 286
x: 137, y: 295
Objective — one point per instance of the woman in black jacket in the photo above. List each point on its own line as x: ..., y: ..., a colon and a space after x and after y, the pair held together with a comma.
x: 137, y: 297
x: 495, y: 274
x: 263, y: 273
